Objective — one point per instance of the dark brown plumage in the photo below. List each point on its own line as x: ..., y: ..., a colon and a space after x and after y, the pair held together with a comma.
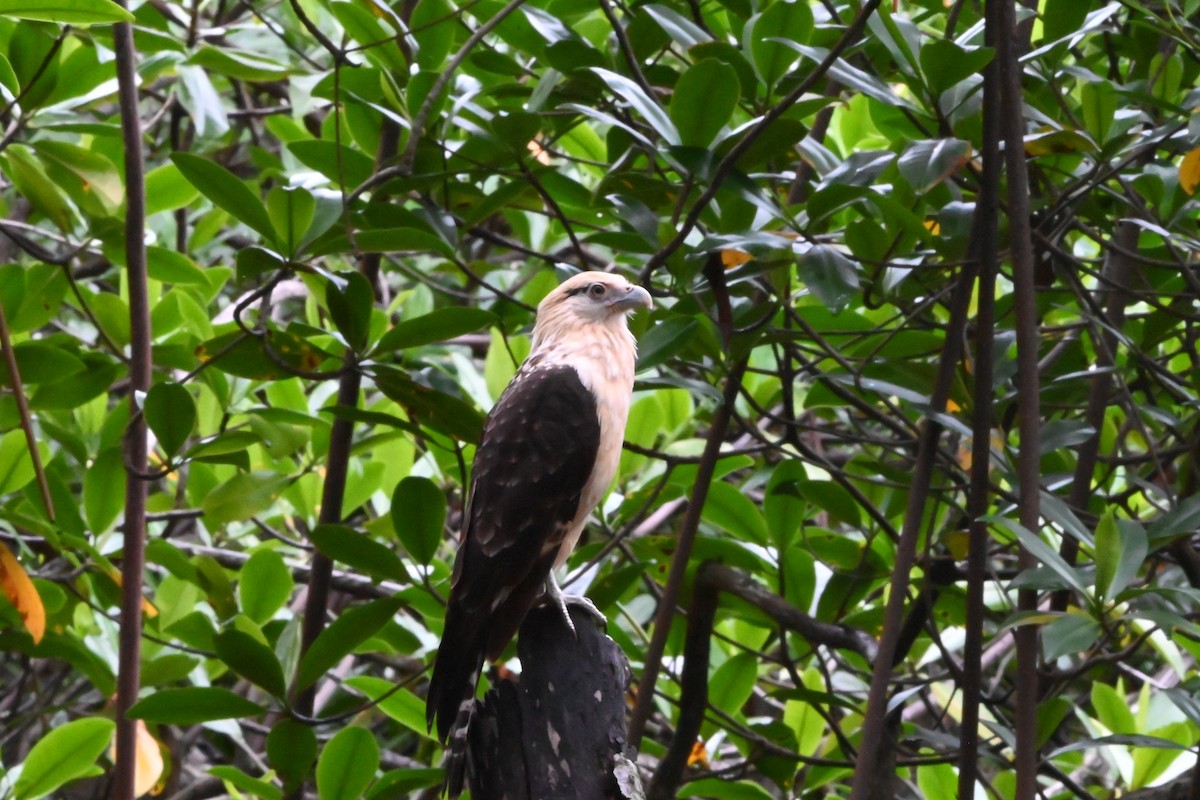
x: 549, y: 450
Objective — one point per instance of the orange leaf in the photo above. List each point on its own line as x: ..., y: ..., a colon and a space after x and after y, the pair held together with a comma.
x: 734, y: 258
x: 1189, y: 171
x: 148, y: 761
x: 21, y: 592
x: 699, y: 755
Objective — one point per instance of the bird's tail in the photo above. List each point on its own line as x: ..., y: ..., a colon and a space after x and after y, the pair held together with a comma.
x: 455, y: 677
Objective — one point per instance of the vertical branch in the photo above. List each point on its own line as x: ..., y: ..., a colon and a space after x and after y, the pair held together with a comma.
x: 134, y: 555
x: 872, y: 750
x: 983, y: 252
x: 1115, y: 279
x: 683, y: 552
x: 341, y: 438
x: 1002, y: 16
x: 14, y: 380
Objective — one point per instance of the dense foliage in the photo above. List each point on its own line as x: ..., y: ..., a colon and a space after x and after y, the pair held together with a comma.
x: 353, y: 207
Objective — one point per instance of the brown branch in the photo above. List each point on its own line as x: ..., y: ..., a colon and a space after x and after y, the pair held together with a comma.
x: 1002, y: 17
x: 711, y: 579
x: 984, y: 249
x: 14, y: 381
x: 134, y: 552
x: 683, y: 552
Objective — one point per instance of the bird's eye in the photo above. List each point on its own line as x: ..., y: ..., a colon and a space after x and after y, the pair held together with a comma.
x: 596, y: 290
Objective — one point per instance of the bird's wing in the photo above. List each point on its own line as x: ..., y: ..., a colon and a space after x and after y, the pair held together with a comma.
x: 539, y: 448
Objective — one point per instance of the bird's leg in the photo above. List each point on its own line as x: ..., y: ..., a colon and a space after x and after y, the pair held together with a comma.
x: 561, y: 600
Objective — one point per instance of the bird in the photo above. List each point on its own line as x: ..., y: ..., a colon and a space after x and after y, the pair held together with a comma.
x: 548, y: 453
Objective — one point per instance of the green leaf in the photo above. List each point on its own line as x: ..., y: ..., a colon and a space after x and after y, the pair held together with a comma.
x: 67, y: 752
x: 703, y: 101
x: 291, y: 750
x: 419, y: 516
x: 347, y: 632
x: 735, y: 513
x: 343, y: 165
x: 239, y: 64
x: 30, y: 179
x: 724, y: 789
x: 944, y: 63
x: 358, y: 551
x: 1108, y: 552
x: 430, y: 407
x: 668, y: 338
x: 433, y: 24
x: 789, y: 21
x: 350, y: 297
x: 347, y: 765
x: 927, y: 163
x: 171, y: 414
x: 440, y: 325
x: 104, y: 490
x: 1113, y: 709
x: 167, y: 190
x: 1043, y: 552
x: 192, y: 705
x: 291, y: 211
x: 243, y: 496
x: 16, y: 466
x: 1069, y: 634
x: 255, y: 787
x: 72, y: 12
x: 733, y: 682
x: 641, y: 102
x: 264, y: 584
x: 397, y: 702
x: 830, y: 275
x: 94, y: 175
x: 251, y: 659
x: 226, y: 191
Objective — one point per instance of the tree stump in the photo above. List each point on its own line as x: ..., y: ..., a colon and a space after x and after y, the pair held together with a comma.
x: 557, y: 731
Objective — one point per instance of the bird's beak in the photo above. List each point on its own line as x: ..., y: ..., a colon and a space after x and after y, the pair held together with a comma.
x: 635, y: 297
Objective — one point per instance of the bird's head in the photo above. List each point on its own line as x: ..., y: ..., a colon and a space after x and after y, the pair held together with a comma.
x: 585, y: 301
x: 594, y: 297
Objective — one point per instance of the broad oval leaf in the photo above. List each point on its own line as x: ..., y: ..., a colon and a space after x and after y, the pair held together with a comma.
x: 703, y: 101
x: 347, y: 764
x: 419, y: 516
x: 226, y: 191
x: 67, y: 752
x: 192, y: 705
x: 251, y: 659
x: 437, y: 326
x: 790, y: 21
x: 70, y: 12
x: 264, y: 584
x: 358, y: 551
x: 243, y: 496
x: 347, y: 632
x: 171, y: 414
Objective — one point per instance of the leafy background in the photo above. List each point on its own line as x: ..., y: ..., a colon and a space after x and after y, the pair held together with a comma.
x: 353, y: 206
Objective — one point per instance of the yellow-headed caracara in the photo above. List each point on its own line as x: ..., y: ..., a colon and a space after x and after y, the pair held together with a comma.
x: 549, y: 451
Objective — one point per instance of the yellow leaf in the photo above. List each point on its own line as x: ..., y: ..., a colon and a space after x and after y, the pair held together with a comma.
x: 957, y: 543
x: 148, y: 608
x: 21, y: 592
x: 734, y: 258
x: 933, y: 226
x: 1189, y: 171
x: 148, y: 761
